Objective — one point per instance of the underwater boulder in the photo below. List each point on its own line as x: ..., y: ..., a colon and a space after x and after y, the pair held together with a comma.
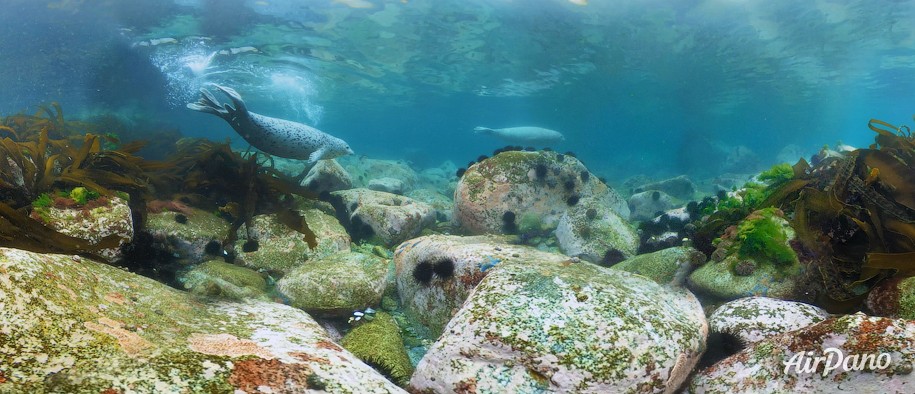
x: 544, y: 325
x: 187, y: 236
x: 780, y: 364
x: 590, y: 231
x: 92, y: 222
x: 336, y: 285
x: 646, y: 205
x: 754, y: 258
x: 680, y: 187
x: 363, y: 170
x: 429, y: 294
x: 752, y: 319
x: 281, y: 248
x: 387, y: 185
x: 74, y: 325
x: 327, y: 176
x: 216, y: 278
x: 661, y: 266
x: 444, y: 206
x: 389, y: 217
x: 521, y: 182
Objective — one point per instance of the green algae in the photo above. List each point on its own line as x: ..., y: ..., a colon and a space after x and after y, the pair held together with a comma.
x: 378, y: 343
x: 764, y: 237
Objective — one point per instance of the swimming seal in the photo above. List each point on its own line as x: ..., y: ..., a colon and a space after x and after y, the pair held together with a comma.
x: 277, y: 137
x: 524, y: 134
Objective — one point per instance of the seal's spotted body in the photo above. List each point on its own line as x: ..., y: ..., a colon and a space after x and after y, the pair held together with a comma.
x: 277, y: 137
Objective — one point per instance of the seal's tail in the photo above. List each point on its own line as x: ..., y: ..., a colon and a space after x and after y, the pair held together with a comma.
x: 484, y: 130
x: 209, y: 104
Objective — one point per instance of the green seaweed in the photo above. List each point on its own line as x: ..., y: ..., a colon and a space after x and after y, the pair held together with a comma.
x: 379, y: 344
x: 762, y: 237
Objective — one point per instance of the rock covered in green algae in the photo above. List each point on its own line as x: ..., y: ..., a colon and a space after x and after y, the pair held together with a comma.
x: 393, y: 218
x: 526, y: 182
x: 281, y: 248
x: 753, y: 319
x: 220, y: 279
x: 72, y: 325
x: 753, y: 259
x: 189, y: 238
x: 661, y: 266
x: 761, y: 368
x: 336, y: 285
x: 433, y: 304
x: 535, y: 326
x: 94, y: 224
x: 378, y: 343
x: 592, y: 237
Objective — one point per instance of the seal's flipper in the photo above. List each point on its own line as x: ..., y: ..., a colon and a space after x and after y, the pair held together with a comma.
x: 484, y: 130
x: 315, y: 156
x: 209, y: 104
x: 234, y: 96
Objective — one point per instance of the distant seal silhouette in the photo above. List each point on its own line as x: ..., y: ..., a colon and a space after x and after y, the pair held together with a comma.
x: 277, y: 137
x: 524, y: 134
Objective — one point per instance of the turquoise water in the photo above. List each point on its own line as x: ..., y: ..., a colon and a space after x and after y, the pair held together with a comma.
x: 637, y: 87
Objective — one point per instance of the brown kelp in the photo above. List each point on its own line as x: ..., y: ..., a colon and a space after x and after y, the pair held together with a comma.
x: 854, y: 216
x: 212, y: 176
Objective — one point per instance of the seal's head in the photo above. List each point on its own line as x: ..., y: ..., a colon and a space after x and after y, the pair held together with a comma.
x: 336, y: 148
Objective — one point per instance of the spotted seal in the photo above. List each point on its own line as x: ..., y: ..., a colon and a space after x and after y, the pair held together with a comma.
x: 277, y: 137
x: 524, y: 134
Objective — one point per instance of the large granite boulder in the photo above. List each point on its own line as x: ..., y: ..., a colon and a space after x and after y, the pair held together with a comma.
x: 71, y: 325
x: 428, y: 295
x: 389, y: 217
x: 541, y: 183
x: 336, y: 285
x: 543, y: 325
x: 852, y: 353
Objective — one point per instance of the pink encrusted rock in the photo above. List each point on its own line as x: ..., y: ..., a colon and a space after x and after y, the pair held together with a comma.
x: 77, y: 326
x: 883, y: 347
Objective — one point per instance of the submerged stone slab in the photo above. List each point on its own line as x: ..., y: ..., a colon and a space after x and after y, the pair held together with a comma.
x: 71, y: 325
